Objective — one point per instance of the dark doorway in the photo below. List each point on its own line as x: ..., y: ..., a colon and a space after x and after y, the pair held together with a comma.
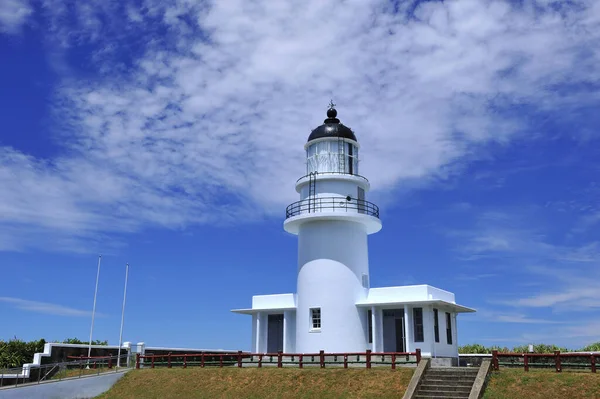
x: 400, y: 334
x: 275, y: 333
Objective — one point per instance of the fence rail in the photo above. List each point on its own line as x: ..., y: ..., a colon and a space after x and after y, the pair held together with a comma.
x: 77, y: 367
x: 557, y: 360
x: 320, y: 359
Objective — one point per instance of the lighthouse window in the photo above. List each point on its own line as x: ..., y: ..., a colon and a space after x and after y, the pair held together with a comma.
x: 370, y: 325
x: 436, y: 326
x: 418, y: 324
x: 315, y: 315
x: 448, y: 328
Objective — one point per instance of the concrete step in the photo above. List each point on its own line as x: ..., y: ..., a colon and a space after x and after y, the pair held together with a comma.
x: 442, y: 394
x: 449, y: 376
x: 458, y: 388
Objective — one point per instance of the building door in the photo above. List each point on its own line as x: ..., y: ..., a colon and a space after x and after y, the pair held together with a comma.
x: 400, y: 334
x: 275, y: 333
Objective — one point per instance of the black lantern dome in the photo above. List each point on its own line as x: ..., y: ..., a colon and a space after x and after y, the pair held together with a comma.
x: 332, y: 128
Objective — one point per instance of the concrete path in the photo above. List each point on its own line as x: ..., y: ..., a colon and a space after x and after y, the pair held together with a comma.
x: 72, y: 388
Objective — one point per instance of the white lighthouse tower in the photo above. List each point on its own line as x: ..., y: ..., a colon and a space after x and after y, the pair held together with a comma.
x: 334, y: 308
x: 332, y: 221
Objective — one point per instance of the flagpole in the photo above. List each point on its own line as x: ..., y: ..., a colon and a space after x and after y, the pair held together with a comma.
x: 94, y: 308
x: 122, y: 316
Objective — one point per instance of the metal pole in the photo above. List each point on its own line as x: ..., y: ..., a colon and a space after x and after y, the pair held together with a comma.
x: 94, y: 309
x: 122, y: 317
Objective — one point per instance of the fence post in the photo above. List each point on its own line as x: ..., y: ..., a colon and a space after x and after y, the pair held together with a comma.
x: 345, y: 361
x: 526, y: 361
x: 202, y: 359
x: 221, y: 361
x: 239, y: 358
x: 368, y: 358
x: 279, y: 359
x: 110, y: 362
x: 495, y: 360
x: 418, y: 355
x: 169, y: 360
x: 593, y: 363
x: 557, y: 361
x: 322, y: 358
x: 394, y: 361
x: 152, y: 362
x: 300, y: 360
x: 137, y: 360
x: 185, y: 361
x: 260, y: 360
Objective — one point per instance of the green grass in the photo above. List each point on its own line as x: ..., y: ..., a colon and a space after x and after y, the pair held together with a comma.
x: 264, y: 383
x: 542, y: 384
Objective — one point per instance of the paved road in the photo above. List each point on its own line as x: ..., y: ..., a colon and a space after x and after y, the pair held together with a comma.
x: 77, y: 388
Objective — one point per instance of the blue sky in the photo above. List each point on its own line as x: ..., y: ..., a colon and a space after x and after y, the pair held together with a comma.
x: 169, y: 134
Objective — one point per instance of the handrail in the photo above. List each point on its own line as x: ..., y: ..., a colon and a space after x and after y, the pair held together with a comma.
x: 318, y: 204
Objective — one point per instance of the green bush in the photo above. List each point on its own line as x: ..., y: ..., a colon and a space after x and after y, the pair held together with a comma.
x: 537, y: 348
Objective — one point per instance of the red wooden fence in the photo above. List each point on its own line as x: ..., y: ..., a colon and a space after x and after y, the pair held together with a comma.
x: 556, y: 357
x: 237, y: 358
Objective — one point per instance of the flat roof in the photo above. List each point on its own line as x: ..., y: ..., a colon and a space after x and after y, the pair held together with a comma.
x: 454, y: 306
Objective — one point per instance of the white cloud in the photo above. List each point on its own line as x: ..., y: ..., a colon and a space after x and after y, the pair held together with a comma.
x: 210, y: 122
x: 13, y: 14
x: 44, y: 307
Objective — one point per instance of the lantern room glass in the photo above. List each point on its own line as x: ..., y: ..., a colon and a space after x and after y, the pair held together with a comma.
x: 332, y: 156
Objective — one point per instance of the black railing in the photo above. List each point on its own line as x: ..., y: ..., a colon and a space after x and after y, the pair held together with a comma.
x: 337, y: 204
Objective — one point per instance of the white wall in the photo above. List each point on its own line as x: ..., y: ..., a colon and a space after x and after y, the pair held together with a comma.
x: 442, y: 349
x: 289, y: 331
x: 332, y: 256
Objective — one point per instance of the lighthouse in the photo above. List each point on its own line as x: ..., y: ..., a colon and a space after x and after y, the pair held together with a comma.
x: 332, y: 221
x: 334, y: 308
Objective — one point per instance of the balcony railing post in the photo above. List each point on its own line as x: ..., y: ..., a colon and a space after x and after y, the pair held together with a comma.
x: 557, y: 361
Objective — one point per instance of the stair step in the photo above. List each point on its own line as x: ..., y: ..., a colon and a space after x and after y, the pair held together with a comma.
x: 442, y: 394
x: 426, y: 386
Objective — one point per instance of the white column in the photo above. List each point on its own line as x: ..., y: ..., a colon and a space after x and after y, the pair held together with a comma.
x: 258, y: 334
x: 430, y: 328
x: 455, y: 332
x: 379, y: 329
x: 285, y: 332
x: 375, y: 329
x: 408, y: 328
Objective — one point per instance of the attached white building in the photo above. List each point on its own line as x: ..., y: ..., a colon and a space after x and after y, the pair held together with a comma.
x: 335, y: 309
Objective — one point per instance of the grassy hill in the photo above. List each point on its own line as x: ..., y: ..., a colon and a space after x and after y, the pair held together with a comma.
x: 262, y: 383
x: 542, y: 384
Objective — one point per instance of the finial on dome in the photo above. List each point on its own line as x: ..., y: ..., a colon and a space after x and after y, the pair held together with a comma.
x: 331, y: 112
